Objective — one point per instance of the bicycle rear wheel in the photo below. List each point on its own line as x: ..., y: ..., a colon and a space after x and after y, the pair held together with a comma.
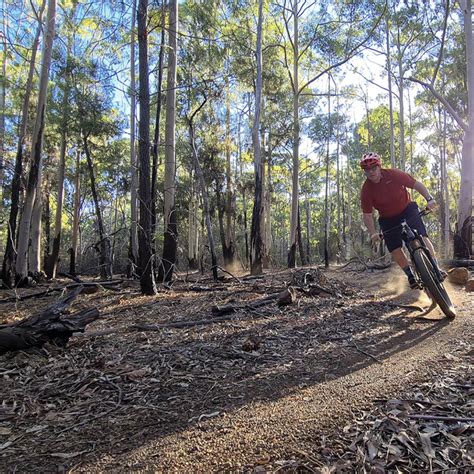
x: 431, y: 284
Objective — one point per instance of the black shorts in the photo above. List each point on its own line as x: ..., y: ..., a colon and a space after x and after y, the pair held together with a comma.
x: 392, y: 231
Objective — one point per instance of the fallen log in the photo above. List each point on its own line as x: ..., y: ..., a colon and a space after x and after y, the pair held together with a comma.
x: 85, y: 285
x: 230, y: 308
x: 49, y: 325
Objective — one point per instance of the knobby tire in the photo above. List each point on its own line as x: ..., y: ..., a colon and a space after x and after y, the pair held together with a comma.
x: 430, y: 282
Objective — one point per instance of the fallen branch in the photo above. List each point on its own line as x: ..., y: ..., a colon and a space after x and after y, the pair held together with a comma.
x: 441, y: 418
x: 352, y: 343
x: 230, y: 308
x: 40, y: 294
x: 396, y: 305
x: 180, y: 324
x: 49, y: 325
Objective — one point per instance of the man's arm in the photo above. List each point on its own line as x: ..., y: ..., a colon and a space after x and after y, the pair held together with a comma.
x: 369, y: 223
x: 430, y: 201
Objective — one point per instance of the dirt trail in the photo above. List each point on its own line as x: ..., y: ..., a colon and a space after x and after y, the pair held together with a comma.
x: 198, y: 399
x: 260, y: 433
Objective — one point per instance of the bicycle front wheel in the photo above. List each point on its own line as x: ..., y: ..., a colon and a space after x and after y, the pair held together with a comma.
x: 432, y: 284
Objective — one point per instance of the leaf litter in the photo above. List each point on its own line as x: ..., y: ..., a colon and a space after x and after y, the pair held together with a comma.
x: 113, y: 386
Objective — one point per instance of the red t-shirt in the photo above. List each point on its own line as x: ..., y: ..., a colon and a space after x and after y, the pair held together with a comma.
x: 389, y: 196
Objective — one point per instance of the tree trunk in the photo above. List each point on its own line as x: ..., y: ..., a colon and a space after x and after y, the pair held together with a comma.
x: 3, y: 87
x: 445, y: 193
x: 193, y: 235
x: 145, y: 255
x: 463, y: 238
x: 326, y: 193
x: 401, y: 116
x: 296, y: 144
x: 9, y: 261
x: 103, y: 246
x: 256, y: 243
x: 228, y: 249
x: 76, y: 215
x: 390, y: 95
x: 36, y: 148
x: 156, y: 137
x: 133, y: 250
x: 301, y: 247
x: 36, y: 229
x: 267, y: 207
x: 207, y: 216
x: 46, y: 218
x: 168, y: 260
x: 244, y: 198
x: 308, y: 230
x: 51, y: 262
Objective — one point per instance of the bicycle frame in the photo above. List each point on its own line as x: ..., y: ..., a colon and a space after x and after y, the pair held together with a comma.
x: 409, y: 237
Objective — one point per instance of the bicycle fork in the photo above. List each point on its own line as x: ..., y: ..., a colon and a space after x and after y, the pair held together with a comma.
x: 409, y: 236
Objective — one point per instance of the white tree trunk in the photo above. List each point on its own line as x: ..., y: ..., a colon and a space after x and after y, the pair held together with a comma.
x: 464, y: 217
x: 76, y: 213
x: 390, y: 96
x: 296, y: 144
x: 256, y: 243
x: 36, y: 148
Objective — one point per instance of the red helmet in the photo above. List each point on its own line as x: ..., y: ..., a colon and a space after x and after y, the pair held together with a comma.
x: 369, y: 160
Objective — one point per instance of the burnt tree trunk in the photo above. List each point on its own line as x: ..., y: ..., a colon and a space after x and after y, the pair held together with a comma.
x: 145, y: 254
x: 103, y: 246
x: 50, y: 325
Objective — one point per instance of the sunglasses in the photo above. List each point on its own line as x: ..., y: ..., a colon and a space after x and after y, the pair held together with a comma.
x: 369, y: 170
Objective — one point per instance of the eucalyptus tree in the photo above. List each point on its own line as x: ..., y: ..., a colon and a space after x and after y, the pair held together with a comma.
x: 67, y: 30
x: 461, y: 112
x: 147, y: 272
x: 203, y: 112
x: 133, y: 251
x: 168, y: 259
x: 37, y: 142
x: 326, y: 38
x: 256, y: 241
x: 9, y: 260
x: 3, y: 93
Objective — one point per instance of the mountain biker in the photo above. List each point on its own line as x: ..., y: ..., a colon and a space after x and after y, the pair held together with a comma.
x: 386, y: 191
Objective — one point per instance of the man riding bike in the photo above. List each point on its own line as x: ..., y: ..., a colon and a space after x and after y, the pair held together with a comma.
x: 386, y: 191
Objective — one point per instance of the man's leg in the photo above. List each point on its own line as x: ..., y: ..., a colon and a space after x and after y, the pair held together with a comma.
x: 401, y: 259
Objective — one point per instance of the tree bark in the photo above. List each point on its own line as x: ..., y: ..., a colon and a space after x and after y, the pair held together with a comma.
x: 36, y: 148
x: 193, y: 235
x: 228, y: 248
x: 3, y: 87
x: 207, y: 215
x: 256, y: 243
x: 76, y: 215
x: 9, y: 261
x: 103, y: 246
x: 463, y: 238
x: 401, y: 116
x: 51, y: 262
x: 156, y: 138
x: 168, y: 260
x: 390, y: 95
x: 145, y: 255
x: 296, y: 144
x: 133, y: 250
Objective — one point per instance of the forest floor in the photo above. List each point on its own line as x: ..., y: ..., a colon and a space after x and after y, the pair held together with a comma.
x: 340, y: 380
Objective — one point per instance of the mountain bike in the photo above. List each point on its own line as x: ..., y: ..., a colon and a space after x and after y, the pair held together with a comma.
x: 427, y: 272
